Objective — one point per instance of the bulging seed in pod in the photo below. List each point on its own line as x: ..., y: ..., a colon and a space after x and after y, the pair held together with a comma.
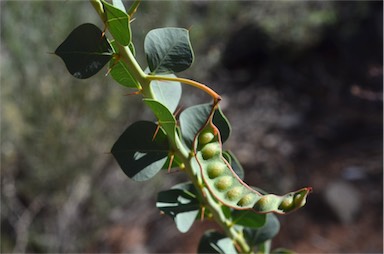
x: 234, y: 193
x: 299, y: 199
x: 215, y: 169
x: 246, y: 200
x: 287, y: 203
x: 265, y: 203
x: 206, y: 137
x: 223, y: 183
x: 210, y: 150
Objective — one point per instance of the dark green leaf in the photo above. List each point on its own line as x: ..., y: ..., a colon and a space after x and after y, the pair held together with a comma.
x: 118, y: 24
x: 167, y: 92
x: 168, y: 50
x: 222, y: 123
x: 266, y: 232
x: 248, y: 218
x: 192, y: 120
x: 85, y: 51
x: 138, y: 155
x: 214, y: 242
x: 181, y: 204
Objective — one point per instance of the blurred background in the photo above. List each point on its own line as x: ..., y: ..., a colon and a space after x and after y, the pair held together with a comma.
x: 302, y: 85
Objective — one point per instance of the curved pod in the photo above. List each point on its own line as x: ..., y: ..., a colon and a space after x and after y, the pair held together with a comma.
x: 227, y: 187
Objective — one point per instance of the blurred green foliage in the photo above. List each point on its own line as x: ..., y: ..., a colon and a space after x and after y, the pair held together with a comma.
x: 60, y: 186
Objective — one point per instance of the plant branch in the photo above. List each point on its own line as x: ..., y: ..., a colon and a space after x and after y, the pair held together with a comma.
x: 181, y: 151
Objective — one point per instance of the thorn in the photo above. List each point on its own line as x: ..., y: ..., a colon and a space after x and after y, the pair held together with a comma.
x: 156, y: 131
x: 170, y: 162
x: 104, y: 29
x: 108, y: 71
x: 133, y: 93
x: 202, y: 213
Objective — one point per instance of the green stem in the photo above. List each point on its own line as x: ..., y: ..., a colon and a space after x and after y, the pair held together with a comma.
x: 236, y: 236
x: 99, y: 9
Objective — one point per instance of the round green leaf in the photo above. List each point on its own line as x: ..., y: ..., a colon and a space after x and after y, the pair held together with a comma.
x: 85, y: 51
x: 138, y: 154
x: 168, y: 50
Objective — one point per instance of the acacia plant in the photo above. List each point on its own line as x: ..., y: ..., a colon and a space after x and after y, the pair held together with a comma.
x: 193, y: 142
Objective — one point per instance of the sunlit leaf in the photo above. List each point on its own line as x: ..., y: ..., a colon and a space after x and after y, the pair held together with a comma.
x: 167, y: 92
x: 121, y: 74
x: 85, y: 51
x: 120, y: 71
x: 118, y: 24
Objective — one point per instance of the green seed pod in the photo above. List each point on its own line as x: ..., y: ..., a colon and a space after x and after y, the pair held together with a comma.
x: 227, y: 187
x: 210, y: 150
x: 215, y: 169
x: 246, y: 200
x: 224, y: 183
x: 206, y: 137
x: 234, y: 193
